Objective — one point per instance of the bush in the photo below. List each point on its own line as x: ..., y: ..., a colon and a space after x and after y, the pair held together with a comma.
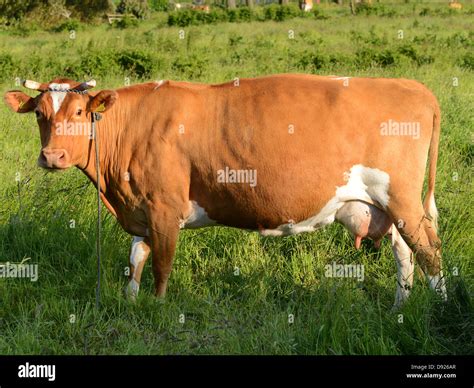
x: 16, y: 10
x: 182, y: 18
x: 137, y: 63
x: 467, y: 61
x: 87, y: 9
x: 232, y: 15
x: 281, y: 13
x: 367, y: 58
x: 24, y: 29
x: 7, y: 66
x: 126, y: 22
x: 192, y: 66
x: 137, y: 8
x: 68, y: 25
x: 410, y: 52
x: 187, y: 17
x: 319, y: 14
x: 97, y: 64
x: 158, y: 5
x: 245, y: 14
x: 374, y: 9
x: 317, y: 61
x: 212, y: 17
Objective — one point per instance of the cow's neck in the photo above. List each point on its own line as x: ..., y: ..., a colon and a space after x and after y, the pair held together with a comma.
x: 111, y: 133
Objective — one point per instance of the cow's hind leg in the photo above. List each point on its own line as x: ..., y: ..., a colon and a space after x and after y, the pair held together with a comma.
x: 405, y: 267
x: 138, y: 255
x: 420, y: 235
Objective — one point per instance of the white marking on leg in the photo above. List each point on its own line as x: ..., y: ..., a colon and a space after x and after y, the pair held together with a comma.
x: 137, y: 255
x: 363, y: 184
x: 438, y: 283
x: 405, y: 267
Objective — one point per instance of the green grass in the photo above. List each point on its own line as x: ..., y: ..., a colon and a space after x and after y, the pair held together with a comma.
x: 225, y: 313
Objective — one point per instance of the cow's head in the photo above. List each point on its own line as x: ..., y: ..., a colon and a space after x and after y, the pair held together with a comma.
x: 63, y: 110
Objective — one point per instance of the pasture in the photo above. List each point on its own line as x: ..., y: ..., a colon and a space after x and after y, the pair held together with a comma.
x: 232, y: 292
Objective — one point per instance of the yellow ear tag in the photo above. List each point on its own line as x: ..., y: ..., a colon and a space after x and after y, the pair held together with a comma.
x: 100, y: 108
x: 20, y: 105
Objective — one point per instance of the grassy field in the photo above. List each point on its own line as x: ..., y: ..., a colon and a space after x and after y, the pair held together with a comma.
x: 211, y: 307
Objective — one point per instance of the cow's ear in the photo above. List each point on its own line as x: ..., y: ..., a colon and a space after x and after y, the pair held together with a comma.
x: 103, y: 101
x: 19, y: 101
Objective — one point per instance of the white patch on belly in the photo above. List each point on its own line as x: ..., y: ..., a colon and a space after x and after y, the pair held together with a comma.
x: 58, y: 93
x: 197, y: 218
x: 363, y: 183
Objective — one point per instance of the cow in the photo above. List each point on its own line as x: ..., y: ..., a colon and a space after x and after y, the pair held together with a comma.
x: 279, y: 154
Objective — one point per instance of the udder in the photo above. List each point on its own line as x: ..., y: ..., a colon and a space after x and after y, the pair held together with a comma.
x: 364, y: 221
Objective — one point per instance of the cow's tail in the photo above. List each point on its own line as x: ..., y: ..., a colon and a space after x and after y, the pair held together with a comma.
x: 429, y: 203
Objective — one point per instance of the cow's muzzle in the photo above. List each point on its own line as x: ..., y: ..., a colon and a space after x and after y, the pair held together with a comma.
x: 54, y: 159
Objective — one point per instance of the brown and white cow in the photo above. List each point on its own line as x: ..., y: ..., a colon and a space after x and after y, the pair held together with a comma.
x: 281, y: 154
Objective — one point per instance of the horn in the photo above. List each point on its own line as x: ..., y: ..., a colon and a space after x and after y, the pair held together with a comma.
x: 33, y: 85
x: 86, y: 85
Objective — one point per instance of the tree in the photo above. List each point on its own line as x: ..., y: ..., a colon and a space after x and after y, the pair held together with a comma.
x: 90, y: 8
x: 231, y: 4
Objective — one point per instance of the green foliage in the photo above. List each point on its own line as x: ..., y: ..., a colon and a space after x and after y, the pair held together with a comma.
x: 189, y: 67
x: 280, y: 13
x: 319, y: 14
x: 126, y: 22
x: 467, y: 61
x: 8, y: 67
x: 245, y: 14
x: 89, y: 9
x: 374, y: 9
x: 16, y: 10
x: 369, y: 57
x: 158, y: 5
x: 96, y: 64
x: 138, y: 8
x: 182, y: 18
x: 411, y: 52
x: 137, y: 63
x: 68, y: 25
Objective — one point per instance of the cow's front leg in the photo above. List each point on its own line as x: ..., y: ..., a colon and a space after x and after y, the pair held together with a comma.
x: 138, y: 255
x: 163, y: 232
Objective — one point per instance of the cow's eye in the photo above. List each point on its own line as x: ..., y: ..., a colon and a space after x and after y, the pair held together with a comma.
x: 38, y: 114
x: 79, y: 112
